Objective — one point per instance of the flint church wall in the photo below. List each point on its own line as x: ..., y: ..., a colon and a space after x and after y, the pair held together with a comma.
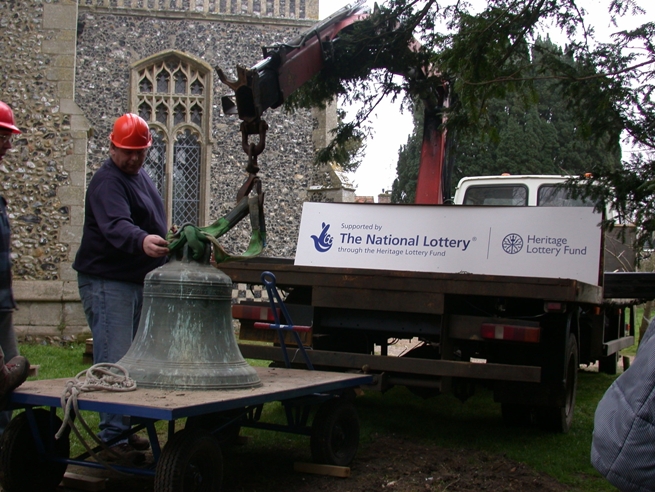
x: 66, y: 74
x: 108, y: 44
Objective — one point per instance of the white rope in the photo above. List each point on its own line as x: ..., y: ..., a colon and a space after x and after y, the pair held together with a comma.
x: 99, y: 377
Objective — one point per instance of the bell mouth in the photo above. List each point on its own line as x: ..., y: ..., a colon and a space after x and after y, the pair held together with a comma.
x: 186, y: 339
x: 190, y: 375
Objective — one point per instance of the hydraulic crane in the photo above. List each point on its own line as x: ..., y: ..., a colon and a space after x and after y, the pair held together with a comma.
x: 267, y: 85
x: 287, y: 66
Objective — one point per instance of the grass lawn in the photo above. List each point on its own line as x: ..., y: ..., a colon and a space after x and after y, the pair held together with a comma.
x: 444, y: 420
x: 477, y: 424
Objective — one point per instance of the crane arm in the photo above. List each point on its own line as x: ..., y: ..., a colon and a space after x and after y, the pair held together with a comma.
x: 287, y: 66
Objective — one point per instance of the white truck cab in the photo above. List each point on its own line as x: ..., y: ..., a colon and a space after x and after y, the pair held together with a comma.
x: 539, y: 190
x: 519, y: 190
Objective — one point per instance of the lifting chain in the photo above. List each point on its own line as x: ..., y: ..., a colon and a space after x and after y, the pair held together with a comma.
x: 247, y: 128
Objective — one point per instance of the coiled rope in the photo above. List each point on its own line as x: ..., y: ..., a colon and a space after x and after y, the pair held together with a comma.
x: 99, y: 377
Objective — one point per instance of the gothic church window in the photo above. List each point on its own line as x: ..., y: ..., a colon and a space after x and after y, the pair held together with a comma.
x: 172, y: 92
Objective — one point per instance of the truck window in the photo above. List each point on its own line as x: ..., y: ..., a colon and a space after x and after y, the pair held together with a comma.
x: 552, y: 195
x: 513, y: 195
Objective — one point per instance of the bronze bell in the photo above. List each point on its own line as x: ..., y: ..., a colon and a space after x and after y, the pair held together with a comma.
x: 185, y: 338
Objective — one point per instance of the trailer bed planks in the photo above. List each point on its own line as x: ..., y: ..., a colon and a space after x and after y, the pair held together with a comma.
x: 166, y: 404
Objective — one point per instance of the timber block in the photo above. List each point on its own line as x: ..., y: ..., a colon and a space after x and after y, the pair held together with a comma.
x: 33, y: 370
x: 243, y: 440
x: 83, y: 482
x: 318, y: 469
x: 87, y: 356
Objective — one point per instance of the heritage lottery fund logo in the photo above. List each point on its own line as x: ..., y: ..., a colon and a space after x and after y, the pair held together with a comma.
x: 540, y: 245
x: 512, y: 244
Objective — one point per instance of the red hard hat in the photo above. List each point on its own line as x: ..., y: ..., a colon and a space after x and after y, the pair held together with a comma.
x: 7, y: 119
x: 131, y: 132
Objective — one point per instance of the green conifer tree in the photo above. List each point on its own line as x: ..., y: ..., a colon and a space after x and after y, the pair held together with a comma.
x: 537, y: 136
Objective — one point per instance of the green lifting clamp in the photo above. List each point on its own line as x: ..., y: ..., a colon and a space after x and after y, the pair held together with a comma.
x: 247, y: 204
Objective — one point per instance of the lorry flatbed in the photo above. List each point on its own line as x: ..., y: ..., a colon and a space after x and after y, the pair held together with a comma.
x: 522, y: 336
x: 425, y: 290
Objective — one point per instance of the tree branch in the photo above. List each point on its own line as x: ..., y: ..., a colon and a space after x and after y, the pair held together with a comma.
x: 559, y: 77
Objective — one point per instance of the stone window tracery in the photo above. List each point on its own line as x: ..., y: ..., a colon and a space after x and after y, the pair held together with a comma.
x: 169, y: 92
x: 156, y: 167
x: 185, y: 187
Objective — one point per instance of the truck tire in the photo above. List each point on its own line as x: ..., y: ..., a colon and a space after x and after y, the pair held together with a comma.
x: 516, y: 415
x: 608, y: 365
x: 425, y: 351
x: 559, y: 419
x: 613, y: 330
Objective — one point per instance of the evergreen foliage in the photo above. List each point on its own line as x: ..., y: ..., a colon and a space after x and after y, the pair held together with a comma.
x: 536, y: 138
x: 403, y: 189
x: 483, y: 56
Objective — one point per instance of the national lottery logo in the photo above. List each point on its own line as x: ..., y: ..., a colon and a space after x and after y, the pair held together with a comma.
x: 512, y: 244
x: 323, y: 242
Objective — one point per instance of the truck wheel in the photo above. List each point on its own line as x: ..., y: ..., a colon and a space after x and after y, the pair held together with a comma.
x: 516, y: 415
x: 21, y: 467
x: 190, y: 462
x: 335, y: 433
x: 425, y: 351
x: 608, y: 365
x: 559, y: 419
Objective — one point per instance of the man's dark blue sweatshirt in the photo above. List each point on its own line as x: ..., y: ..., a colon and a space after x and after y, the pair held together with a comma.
x: 120, y: 211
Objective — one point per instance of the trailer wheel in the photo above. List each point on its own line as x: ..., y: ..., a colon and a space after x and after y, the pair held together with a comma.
x: 335, y: 433
x: 190, y: 462
x: 227, y: 436
x: 21, y: 467
x: 559, y: 418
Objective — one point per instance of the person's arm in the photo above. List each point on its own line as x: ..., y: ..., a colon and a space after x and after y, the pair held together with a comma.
x: 155, y: 246
x: 111, y: 209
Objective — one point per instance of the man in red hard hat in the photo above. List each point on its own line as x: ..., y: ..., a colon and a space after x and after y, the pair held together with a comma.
x: 122, y: 241
x: 13, y: 372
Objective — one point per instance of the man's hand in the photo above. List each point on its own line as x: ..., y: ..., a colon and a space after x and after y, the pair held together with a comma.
x: 155, y: 246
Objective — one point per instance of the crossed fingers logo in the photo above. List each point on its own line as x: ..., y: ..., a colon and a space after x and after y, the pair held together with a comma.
x: 323, y: 242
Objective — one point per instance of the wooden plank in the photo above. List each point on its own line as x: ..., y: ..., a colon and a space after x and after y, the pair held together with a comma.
x: 382, y: 300
x: 629, y: 285
x: 330, y: 470
x: 83, y: 482
x: 33, y: 370
x: 169, y: 403
x: 400, y: 365
x: 289, y: 275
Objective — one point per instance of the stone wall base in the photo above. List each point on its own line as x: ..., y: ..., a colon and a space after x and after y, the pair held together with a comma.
x: 49, y: 308
x: 53, y: 309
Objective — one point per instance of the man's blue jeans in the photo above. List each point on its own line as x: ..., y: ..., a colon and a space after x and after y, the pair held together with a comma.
x: 112, y: 309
